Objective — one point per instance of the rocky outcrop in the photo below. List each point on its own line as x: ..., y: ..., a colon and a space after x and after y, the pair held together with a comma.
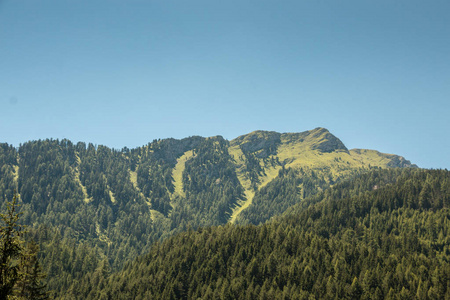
x: 262, y: 143
x: 326, y: 142
x: 400, y: 162
x: 395, y: 161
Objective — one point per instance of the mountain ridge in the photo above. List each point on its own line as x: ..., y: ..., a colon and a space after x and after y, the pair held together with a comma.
x: 325, y: 142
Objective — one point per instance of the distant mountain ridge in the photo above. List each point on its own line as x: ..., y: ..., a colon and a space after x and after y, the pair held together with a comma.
x: 255, y: 159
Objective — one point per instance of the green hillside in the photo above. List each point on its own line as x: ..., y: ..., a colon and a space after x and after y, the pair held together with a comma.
x: 113, y: 205
x: 317, y: 159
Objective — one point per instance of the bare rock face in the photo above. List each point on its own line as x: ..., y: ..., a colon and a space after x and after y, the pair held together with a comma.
x: 326, y: 142
x: 262, y: 143
x: 265, y: 143
x: 395, y: 161
x: 400, y: 162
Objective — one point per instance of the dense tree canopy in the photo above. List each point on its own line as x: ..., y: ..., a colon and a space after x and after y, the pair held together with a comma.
x: 371, y: 238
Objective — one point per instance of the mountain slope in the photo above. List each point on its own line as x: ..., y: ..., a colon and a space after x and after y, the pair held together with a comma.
x: 319, y: 159
x: 116, y: 203
x: 353, y: 241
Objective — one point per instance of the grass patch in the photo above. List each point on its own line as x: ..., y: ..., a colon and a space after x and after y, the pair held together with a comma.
x: 111, y: 195
x: 177, y: 174
x: 133, y: 179
x: 86, y: 199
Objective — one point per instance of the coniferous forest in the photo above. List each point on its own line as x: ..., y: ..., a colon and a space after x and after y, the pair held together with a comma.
x: 264, y: 216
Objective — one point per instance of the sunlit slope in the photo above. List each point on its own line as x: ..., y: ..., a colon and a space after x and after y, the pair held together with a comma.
x: 316, y: 148
x: 261, y: 154
x: 270, y: 171
x: 177, y: 173
x: 376, y: 158
x: 86, y: 199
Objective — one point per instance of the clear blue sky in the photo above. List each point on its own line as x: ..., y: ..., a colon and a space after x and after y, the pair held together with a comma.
x: 122, y: 73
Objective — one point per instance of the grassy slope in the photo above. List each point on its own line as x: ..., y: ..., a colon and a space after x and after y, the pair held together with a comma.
x: 237, y: 155
x: 133, y: 178
x: 296, y: 152
x: 372, y: 157
x: 301, y: 154
x: 77, y: 180
x: 270, y: 172
x: 16, y: 178
x: 177, y: 173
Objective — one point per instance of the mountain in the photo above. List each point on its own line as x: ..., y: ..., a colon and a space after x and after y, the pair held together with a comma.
x: 315, y: 159
x: 92, y: 208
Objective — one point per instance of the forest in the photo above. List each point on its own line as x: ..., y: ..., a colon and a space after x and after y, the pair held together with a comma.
x: 264, y: 216
x: 352, y: 241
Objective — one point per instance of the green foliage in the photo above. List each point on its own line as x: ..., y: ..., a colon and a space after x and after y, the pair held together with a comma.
x: 368, y: 238
x: 210, y: 184
x: 20, y: 272
x: 8, y: 159
x: 83, y: 196
x: 289, y: 188
x: 11, y: 250
x: 31, y: 285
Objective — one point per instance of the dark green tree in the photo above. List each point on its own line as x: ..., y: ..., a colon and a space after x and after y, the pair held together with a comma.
x: 31, y: 285
x: 20, y: 272
x: 11, y: 247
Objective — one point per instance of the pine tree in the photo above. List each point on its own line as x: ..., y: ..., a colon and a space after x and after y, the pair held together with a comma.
x: 31, y: 286
x: 356, y: 290
x: 20, y: 271
x: 11, y: 247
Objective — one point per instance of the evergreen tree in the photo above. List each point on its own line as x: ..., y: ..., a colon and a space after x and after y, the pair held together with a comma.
x: 11, y: 249
x: 20, y: 272
x: 31, y: 285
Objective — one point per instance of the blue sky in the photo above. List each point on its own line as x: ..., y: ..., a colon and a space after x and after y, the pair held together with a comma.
x: 122, y: 73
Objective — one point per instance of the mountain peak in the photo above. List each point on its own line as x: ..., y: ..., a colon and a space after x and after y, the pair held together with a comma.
x: 327, y: 142
x: 263, y: 142
x: 318, y: 139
